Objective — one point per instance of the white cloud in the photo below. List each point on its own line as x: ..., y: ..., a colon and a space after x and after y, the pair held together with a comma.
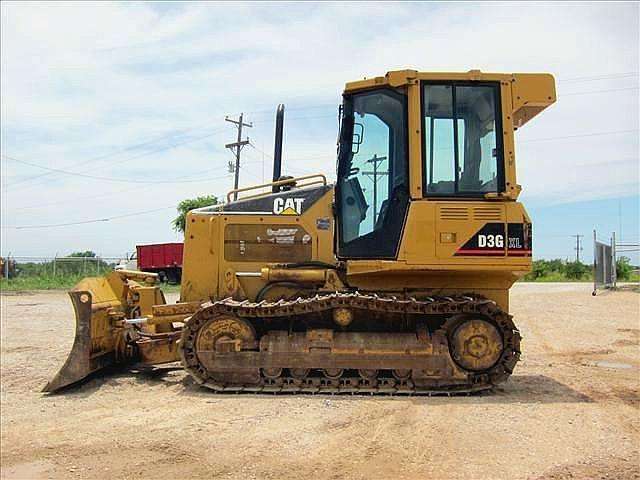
x: 82, y: 80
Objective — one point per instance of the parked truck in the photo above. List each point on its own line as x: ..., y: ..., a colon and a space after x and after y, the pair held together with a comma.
x: 165, y: 259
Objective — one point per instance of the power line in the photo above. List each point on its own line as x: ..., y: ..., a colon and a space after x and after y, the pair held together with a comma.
x: 310, y: 117
x: 252, y: 145
x: 301, y: 107
x: 303, y: 171
x: 113, y: 179
x: 598, y: 77
x: 132, y: 147
x: 537, y: 235
x: 53, y: 170
x: 76, y: 199
x: 138, y: 156
x: 598, y: 91
x: 82, y: 222
x: 95, y: 220
x: 594, y: 134
x: 91, y: 197
x: 560, y: 80
x: 304, y: 107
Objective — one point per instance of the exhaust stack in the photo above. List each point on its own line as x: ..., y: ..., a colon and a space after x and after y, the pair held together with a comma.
x: 277, y: 153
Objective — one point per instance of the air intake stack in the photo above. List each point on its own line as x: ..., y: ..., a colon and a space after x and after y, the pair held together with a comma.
x: 277, y: 152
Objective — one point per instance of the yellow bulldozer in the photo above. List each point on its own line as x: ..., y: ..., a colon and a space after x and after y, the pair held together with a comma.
x: 395, y: 279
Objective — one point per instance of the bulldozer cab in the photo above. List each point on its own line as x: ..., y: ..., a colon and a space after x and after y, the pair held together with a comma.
x: 414, y: 137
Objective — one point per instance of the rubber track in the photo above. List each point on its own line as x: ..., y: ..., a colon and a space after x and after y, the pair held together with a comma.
x: 463, y: 304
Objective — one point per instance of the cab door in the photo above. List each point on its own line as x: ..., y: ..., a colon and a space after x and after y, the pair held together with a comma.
x: 372, y: 192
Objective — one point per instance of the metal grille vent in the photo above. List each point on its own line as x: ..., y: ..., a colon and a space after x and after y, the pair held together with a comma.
x: 454, y: 213
x: 487, y: 213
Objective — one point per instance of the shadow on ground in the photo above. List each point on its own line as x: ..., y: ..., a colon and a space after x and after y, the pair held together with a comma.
x: 518, y: 389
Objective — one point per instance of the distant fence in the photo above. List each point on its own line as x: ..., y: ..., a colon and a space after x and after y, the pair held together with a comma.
x: 604, y: 263
x: 30, y: 266
x: 605, y: 260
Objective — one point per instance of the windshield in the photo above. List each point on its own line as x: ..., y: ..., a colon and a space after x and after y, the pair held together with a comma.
x: 372, y: 166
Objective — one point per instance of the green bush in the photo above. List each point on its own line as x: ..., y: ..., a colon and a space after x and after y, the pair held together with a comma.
x: 64, y: 267
x: 558, y: 271
x: 624, y: 269
x: 576, y: 270
x: 539, y: 269
x: 78, y: 264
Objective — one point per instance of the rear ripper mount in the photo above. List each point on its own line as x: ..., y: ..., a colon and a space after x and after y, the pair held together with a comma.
x: 459, y: 345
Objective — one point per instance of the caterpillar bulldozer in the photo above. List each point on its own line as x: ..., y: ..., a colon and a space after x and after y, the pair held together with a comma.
x: 394, y: 279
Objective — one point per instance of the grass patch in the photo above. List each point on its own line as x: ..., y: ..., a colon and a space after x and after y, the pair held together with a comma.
x: 634, y: 277
x: 41, y: 282
x: 58, y: 282
x: 552, y: 277
x: 168, y: 288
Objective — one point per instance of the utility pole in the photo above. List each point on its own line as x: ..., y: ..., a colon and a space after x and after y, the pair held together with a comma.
x: 614, y: 259
x: 578, y: 247
x: 237, y: 146
x: 375, y: 160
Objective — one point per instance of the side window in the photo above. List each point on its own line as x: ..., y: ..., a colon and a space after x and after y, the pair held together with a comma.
x: 461, y: 150
x: 439, y: 138
x: 370, y: 165
x: 371, y: 189
x: 476, y: 110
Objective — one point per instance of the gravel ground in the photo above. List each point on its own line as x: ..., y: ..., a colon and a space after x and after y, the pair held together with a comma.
x: 571, y: 410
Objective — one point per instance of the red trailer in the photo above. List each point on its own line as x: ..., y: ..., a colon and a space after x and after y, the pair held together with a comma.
x: 164, y: 259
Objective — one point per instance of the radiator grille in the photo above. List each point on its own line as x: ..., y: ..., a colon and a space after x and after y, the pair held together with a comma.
x: 454, y: 213
x: 487, y: 213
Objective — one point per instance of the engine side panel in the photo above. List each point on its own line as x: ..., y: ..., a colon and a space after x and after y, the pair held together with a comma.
x: 293, y: 226
x: 201, y: 261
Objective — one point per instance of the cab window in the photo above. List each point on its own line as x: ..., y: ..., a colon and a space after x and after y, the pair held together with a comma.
x: 462, y: 153
x: 371, y: 191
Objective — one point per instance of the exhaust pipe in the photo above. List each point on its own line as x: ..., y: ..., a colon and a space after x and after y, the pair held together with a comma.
x: 277, y: 153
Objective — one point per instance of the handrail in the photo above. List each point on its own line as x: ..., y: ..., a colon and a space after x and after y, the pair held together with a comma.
x: 287, y: 181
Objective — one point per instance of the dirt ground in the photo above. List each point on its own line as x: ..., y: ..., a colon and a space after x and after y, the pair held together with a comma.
x: 571, y: 410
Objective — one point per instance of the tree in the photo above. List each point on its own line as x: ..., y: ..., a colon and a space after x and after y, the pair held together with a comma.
x: 623, y: 268
x: 189, y: 204
x: 86, y: 253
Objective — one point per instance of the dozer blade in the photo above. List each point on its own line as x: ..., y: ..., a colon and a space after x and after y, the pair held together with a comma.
x: 98, y: 306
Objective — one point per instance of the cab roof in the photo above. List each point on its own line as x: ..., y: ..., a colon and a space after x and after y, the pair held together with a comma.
x: 530, y: 92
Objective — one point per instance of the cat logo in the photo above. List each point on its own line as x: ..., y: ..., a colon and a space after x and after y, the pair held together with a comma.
x: 287, y: 206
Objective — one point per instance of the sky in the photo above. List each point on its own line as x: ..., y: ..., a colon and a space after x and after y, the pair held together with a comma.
x: 132, y: 98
